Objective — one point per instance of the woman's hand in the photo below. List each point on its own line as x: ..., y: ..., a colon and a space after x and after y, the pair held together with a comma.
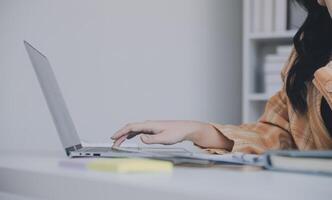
x: 171, y: 132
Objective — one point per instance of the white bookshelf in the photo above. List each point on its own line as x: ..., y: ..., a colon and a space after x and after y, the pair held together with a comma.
x: 255, y: 47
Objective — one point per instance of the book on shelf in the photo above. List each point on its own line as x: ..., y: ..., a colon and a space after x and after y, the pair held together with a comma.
x: 280, y: 15
x: 284, y: 50
x: 262, y: 11
x: 275, y: 16
x: 276, y: 58
x: 265, y: 16
x: 273, y: 78
x: 268, y: 17
x: 272, y: 67
x: 257, y: 12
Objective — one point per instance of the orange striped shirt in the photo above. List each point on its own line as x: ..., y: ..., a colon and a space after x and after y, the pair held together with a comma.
x: 280, y: 127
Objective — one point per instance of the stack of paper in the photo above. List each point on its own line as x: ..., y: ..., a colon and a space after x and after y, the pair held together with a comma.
x: 273, y: 64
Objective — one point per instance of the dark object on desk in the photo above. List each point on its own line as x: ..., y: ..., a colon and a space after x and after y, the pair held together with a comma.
x: 310, y: 162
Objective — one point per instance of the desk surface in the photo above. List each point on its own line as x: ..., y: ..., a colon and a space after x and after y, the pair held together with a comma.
x: 38, y: 175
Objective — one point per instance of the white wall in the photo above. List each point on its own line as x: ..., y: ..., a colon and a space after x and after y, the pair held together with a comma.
x: 119, y: 61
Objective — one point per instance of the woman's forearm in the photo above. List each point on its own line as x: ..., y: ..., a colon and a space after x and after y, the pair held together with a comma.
x: 209, y: 137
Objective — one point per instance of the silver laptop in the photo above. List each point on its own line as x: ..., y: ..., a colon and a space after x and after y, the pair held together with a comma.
x: 65, y: 126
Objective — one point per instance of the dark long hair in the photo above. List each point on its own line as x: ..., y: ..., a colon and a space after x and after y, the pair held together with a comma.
x: 313, y: 45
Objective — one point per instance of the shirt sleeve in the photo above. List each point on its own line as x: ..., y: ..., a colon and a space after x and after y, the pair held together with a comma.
x: 271, y: 131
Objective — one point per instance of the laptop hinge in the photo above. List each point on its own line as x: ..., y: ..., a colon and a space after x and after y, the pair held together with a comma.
x: 73, y: 148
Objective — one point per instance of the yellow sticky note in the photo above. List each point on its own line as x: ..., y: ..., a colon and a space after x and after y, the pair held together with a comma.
x: 130, y: 165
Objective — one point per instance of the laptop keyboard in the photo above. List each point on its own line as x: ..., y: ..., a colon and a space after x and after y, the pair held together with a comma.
x: 133, y: 150
x: 96, y: 149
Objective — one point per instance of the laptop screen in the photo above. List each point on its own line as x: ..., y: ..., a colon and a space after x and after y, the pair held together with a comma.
x: 55, y: 102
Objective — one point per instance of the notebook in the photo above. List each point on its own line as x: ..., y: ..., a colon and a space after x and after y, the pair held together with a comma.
x: 313, y: 162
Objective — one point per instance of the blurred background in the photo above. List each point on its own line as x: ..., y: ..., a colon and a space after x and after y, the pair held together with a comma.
x: 119, y: 61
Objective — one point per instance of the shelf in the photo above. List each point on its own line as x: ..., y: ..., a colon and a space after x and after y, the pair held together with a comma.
x: 272, y: 36
x: 259, y: 97
x: 256, y: 46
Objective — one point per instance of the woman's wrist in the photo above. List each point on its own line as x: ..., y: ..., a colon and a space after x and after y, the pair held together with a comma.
x: 207, y: 136
x: 199, y: 132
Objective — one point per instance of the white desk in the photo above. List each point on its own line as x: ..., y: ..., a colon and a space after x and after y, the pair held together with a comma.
x: 33, y: 175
